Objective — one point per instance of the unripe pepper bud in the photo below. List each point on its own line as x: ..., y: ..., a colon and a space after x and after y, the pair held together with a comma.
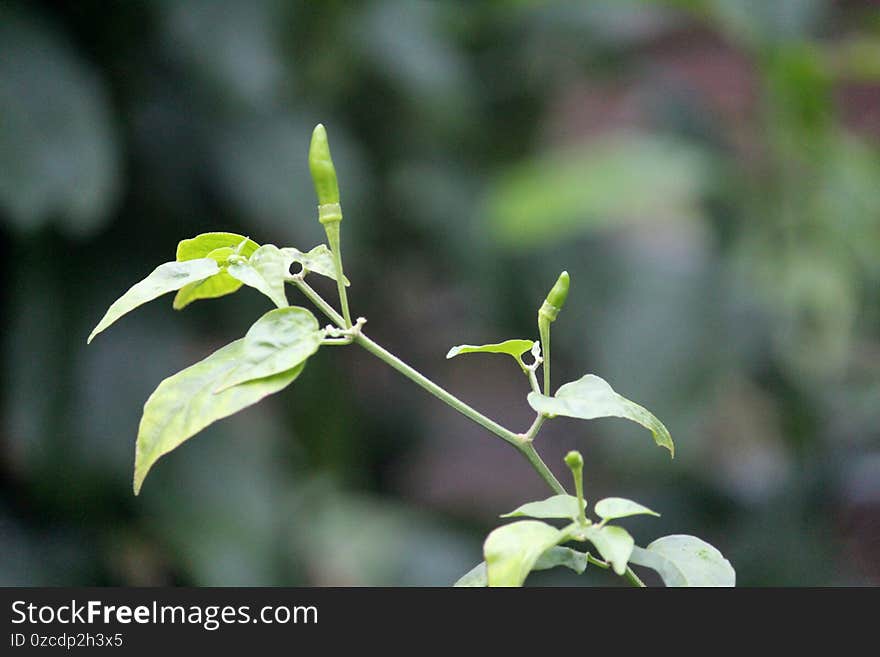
x: 574, y: 460
x: 324, y: 177
x: 555, y: 298
x: 547, y: 314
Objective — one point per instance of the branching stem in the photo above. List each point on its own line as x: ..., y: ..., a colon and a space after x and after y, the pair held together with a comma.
x: 522, y: 442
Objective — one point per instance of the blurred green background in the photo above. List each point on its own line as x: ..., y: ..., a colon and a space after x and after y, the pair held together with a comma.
x: 708, y: 171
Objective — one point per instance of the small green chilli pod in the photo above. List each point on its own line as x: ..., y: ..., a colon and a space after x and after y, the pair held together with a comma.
x: 547, y: 314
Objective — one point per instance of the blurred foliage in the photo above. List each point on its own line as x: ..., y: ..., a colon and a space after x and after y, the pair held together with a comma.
x: 707, y: 170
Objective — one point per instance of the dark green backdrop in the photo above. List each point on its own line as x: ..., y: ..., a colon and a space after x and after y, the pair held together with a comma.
x: 707, y: 171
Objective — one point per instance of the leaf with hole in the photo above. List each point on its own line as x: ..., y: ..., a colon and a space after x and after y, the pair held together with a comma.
x: 614, y: 544
x: 557, y: 506
x: 318, y: 260
x: 278, y: 341
x: 683, y: 560
x: 266, y: 270
x: 165, y: 278
x: 185, y: 403
x: 591, y: 397
x: 211, y: 245
x: 511, y: 551
x: 612, y: 508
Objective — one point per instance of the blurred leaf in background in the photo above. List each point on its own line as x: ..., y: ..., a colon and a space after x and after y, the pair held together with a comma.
x: 706, y: 170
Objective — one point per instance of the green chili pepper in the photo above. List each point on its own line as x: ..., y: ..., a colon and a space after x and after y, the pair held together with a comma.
x: 329, y: 210
x: 555, y: 298
x: 324, y: 177
x: 547, y: 314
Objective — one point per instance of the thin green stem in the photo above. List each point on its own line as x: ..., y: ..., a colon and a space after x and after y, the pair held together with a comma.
x: 544, y: 330
x: 318, y: 300
x: 523, y: 443
x: 451, y: 400
x: 579, y: 490
x: 533, y: 381
x: 336, y: 342
x: 597, y: 562
x: 332, y: 230
x: 536, y: 426
x: 541, y: 468
x: 633, y: 578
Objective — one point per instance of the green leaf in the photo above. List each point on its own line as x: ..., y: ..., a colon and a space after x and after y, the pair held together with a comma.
x: 562, y: 556
x: 318, y: 260
x: 212, y: 245
x: 281, y: 339
x: 686, y: 561
x: 555, y: 556
x: 512, y: 550
x: 201, y: 245
x: 266, y: 271
x: 614, y: 544
x: 612, y: 508
x: 515, y: 348
x: 165, y: 278
x: 557, y: 506
x: 475, y: 577
x: 185, y: 403
x: 591, y: 397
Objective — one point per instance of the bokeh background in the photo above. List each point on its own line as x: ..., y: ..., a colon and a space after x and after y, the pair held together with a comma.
x: 707, y: 170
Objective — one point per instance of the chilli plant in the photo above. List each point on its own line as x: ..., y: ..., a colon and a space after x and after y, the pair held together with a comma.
x: 276, y: 348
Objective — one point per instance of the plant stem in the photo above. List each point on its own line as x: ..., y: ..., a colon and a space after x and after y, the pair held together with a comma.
x: 523, y: 443
x: 533, y: 380
x: 536, y: 426
x: 544, y: 331
x: 417, y: 377
x: 318, y: 300
x: 332, y: 230
x: 541, y: 468
x: 633, y: 578
x: 597, y: 562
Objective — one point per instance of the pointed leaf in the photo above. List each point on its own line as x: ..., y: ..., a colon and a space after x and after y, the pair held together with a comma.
x: 212, y: 245
x: 614, y: 544
x: 612, y: 508
x: 555, y: 556
x: 562, y: 556
x: 686, y: 561
x: 201, y: 245
x: 218, y: 285
x: 215, y: 286
x: 318, y: 260
x: 165, y: 278
x: 185, y: 403
x: 266, y: 270
x: 557, y: 506
x: 512, y: 550
x: 515, y: 348
x: 591, y: 397
x: 474, y: 578
x: 281, y: 339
